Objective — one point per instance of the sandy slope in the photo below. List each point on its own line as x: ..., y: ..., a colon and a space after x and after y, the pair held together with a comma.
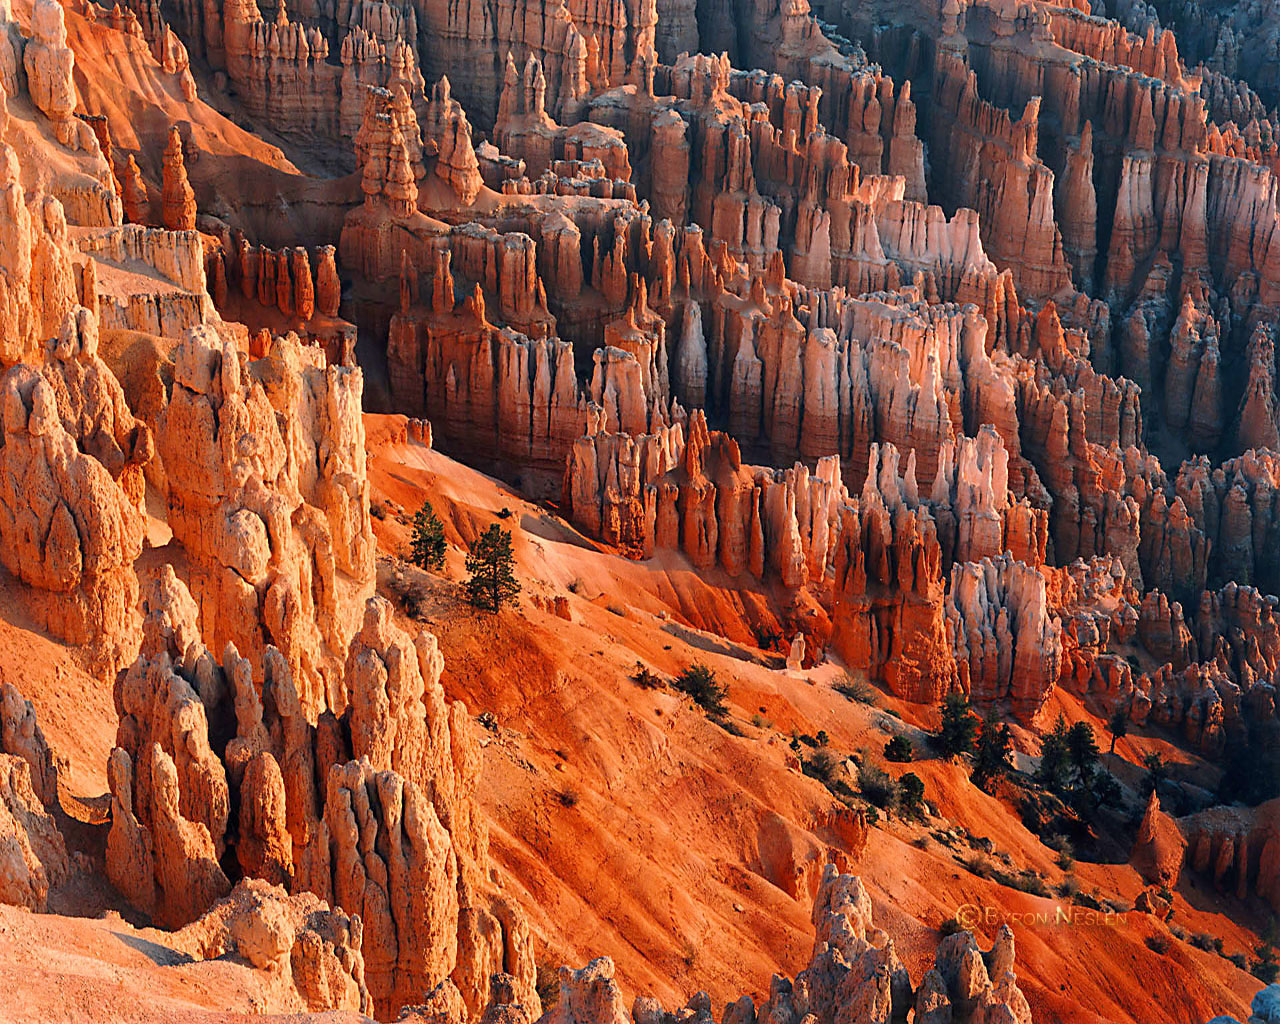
x: 76, y: 971
x: 674, y: 824
x: 626, y: 821
x: 73, y: 708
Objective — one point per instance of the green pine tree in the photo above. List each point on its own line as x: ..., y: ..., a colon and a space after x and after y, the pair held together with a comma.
x: 993, y: 754
x: 1157, y: 772
x: 911, y: 795
x: 1118, y: 726
x: 492, y: 564
x: 1083, y: 749
x: 959, y: 726
x: 427, y: 545
x: 1055, y: 760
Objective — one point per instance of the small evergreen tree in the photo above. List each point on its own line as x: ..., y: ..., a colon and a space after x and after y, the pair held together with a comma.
x: 491, y: 564
x: 1083, y: 749
x: 1070, y: 767
x: 427, y: 545
x: 1118, y: 726
x: 700, y: 683
x: 1106, y: 789
x: 1090, y: 785
x: 1054, y: 772
x: 994, y: 752
x: 959, y: 726
x: 1082, y: 755
x: 1265, y: 968
x: 911, y: 796
x: 1157, y: 772
x: 898, y: 749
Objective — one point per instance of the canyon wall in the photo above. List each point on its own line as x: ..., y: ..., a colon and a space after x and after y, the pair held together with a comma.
x: 1006, y: 255
x: 267, y: 496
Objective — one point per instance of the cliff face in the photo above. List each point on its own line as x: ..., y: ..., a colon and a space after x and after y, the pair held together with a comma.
x: 267, y: 496
x: 662, y: 490
x: 1008, y: 277
x: 68, y: 530
x: 1029, y: 348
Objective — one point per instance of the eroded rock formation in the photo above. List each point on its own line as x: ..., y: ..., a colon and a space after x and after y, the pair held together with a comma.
x: 392, y: 761
x: 48, y: 62
x: 918, y: 343
x: 696, y: 495
x: 854, y: 972
x: 314, y: 952
x: 68, y: 530
x: 21, y: 736
x: 34, y: 853
x: 179, y: 199
x: 268, y: 497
